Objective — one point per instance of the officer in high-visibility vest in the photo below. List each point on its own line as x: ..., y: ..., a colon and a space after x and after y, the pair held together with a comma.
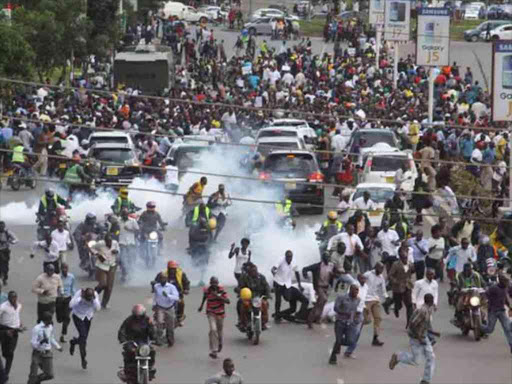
x: 18, y: 157
x: 284, y: 207
x: 49, y: 203
x: 123, y: 201
x: 330, y: 227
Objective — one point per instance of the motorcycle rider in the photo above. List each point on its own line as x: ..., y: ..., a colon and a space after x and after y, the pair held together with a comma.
x: 18, y: 158
x: 6, y: 239
x: 75, y: 175
x: 485, y: 251
x: 466, y: 279
x: 201, y: 211
x: 122, y: 201
x: 330, y: 227
x: 49, y: 203
x: 150, y: 220
x: 129, y: 228
x: 195, y: 192
x: 218, y: 202
x: 138, y: 328
x: 258, y: 285
x: 87, y: 227
x: 175, y: 275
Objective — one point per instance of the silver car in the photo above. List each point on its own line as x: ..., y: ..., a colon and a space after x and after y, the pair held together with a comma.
x: 262, y: 26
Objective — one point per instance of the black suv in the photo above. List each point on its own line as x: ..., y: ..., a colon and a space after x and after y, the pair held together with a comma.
x: 299, y: 175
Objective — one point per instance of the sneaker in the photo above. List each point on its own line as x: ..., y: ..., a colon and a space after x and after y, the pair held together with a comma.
x: 424, y: 382
x: 376, y: 342
x: 333, y: 361
x: 72, y: 345
x: 62, y: 339
x: 393, y: 362
x: 220, y: 348
x: 84, y: 364
x: 349, y: 356
x: 213, y: 355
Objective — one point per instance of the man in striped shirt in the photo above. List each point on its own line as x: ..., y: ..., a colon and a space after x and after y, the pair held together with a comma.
x: 216, y: 299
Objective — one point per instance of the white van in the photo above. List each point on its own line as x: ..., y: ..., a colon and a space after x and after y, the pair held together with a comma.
x: 307, y: 134
x: 183, y: 12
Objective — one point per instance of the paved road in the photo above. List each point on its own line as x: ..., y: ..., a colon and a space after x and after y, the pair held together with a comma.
x: 288, y: 353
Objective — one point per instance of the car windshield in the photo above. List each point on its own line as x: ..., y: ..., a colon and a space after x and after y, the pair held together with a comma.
x: 291, y: 165
x: 367, y: 139
x: 117, y: 155
x: 378, y: 195
x: 288, y: 123
x: 108, y: 139
x: 387, y: 163
x: 277, y: 132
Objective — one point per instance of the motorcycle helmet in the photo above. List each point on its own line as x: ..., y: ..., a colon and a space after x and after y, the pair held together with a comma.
x: 246, y: 294
x: 212, y: 223
x: 49, y: 193
x: 332, y: 215
x: 138, y: 310
x: 484, y: 240
x: 90, y: 217
x: 151, y: 206
x: 172, y: 264
x: 123, y: 192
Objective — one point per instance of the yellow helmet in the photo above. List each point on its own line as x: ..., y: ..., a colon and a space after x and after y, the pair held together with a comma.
x: 333, y: 215
x: 212, y: 223
x: 246, y: 294
x: 123, y: 192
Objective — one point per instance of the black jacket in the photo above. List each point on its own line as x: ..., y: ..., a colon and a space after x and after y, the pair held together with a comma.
x: 315, y: 271
x: 138, y: 329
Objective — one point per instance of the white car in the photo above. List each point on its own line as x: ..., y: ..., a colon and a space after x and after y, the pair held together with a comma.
x: 471, y: 13
x: 265, y: 145
x: 500, y: 33
x: 289, y: 123
x: 182, y: 12
x: 305, y: 133
x: 213, y: 12
x: 379, y: 193
x: 271, y: 12
x: 381, y: 167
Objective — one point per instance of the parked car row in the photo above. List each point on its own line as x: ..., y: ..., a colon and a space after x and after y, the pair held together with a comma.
x: 490, y: 30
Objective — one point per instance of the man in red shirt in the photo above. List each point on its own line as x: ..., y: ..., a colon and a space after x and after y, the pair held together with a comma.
x: 216, y: 299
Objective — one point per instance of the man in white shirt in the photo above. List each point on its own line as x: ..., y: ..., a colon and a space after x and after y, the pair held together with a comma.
x: 165, y: 299
x: 344, y: 207
x: 106, y: 252
x: 51, y: 253
x: 375, y: 295
x: 353, y: 243
x: 436, y: 246
x: 364, y: 203
x: 283, y: 274
x: 463, y: 253
x: 424, y: 286
x: 129, y: 227
x: 63, y: 239
x: 83, y: 305
x: 10, y: 324
x: 338, y: 142
x: 43, y: 338
x: 363, y: 292
x: 388, y: 241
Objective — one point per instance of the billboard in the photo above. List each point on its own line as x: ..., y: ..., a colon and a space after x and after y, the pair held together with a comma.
x: 377, y: 12
x: 502, y: 81
x: 433, y: 42
x: 397, y: 20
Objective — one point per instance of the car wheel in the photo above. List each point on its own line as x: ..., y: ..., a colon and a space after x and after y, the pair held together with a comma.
x: 474, y: 38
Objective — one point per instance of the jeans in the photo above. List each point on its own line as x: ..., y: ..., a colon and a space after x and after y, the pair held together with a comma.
x: 165, y: 321
x: 43, y: 361
x: 345, y: 278
x: 437, y: 266
x: 418, y: 349
x: 126, y: 259
x: 494, y: 316
x: 83, y: 327
x: 346, y: 334
x: 419, y: 267
x: 5, y: 256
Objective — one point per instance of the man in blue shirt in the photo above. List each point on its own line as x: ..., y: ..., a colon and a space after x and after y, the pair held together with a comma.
x: 63, y: 311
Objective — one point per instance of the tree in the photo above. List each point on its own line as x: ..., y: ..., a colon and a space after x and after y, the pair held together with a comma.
x: 16, y: 55
x: 105, y: 32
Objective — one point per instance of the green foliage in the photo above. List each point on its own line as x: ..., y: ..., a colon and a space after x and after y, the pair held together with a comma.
x: 105, y: 31
x: 16, y: 55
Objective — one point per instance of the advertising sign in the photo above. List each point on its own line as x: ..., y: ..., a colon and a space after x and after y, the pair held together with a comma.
x: 397, y: 18
x: 377, y: 12
x: 502, y: 81
x: 433, y: 43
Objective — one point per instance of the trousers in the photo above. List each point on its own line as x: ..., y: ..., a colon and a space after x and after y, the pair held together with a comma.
x: 83, y: 327
x: 493, y: 317
x: 63, y: 313
x: 417, y: 349
x: 346, y: 333
x: 374, y: 308
x: 42, y: 308
x: 43, y: 361
x: 105, y: 281
x: 215, y: 335
x: 5, y: 257
x: 9, y: 343
x: 316, y: 312
x: 165, y: 321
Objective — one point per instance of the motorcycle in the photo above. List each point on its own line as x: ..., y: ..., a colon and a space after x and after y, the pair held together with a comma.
x: 471, y: 314
x: 150, y: 248
x: 19, y: 176
x: 254, y: 327
x: 490, y: 274
x: 46, y: 225
x: 136, y: 369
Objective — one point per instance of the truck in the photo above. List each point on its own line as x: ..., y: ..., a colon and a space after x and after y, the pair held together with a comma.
x: 149, y: 68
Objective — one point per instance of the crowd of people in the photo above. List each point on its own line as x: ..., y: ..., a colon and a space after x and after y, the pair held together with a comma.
x: 338, y: 92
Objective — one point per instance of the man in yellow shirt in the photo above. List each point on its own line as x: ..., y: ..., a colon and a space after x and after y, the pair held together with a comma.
x: 501, y: 147
x: 414, y: 134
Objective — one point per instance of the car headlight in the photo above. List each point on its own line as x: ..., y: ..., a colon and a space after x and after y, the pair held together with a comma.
x: 153, y: 236
x: 474, y: 301
x: 144, y: 350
